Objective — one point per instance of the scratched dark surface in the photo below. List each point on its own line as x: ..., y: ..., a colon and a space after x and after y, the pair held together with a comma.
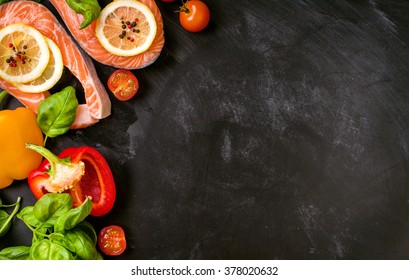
x: 279, y: 132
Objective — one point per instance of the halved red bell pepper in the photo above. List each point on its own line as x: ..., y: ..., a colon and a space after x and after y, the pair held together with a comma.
x: 80, y: 171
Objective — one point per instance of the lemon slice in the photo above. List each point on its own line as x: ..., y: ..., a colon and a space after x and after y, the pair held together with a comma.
x: 51, y: 74
x: 126, y: 27
x: 24, y: 53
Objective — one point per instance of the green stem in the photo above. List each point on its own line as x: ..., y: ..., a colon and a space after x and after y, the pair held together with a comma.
x: 15, y: 210
x: 11, y: 205
x: 3, y: 95
x: 34, y: 230
x: 52, y: 158
x: 45, y: 139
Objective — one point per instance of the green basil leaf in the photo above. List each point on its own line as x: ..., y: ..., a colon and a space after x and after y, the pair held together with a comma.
x: 89, y: 230
x: 15, y: 253
x: 81, y: 244
x: 70, y: 219
x: 47, y: 250
x: 59, y: 238
x: 90, y: 9
x: 51, y: 206
x: 27, y: 216
x: 57, y: 112
x: 78, y: 242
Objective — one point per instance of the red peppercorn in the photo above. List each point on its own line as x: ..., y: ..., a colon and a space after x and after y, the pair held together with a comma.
x: 10, y: 45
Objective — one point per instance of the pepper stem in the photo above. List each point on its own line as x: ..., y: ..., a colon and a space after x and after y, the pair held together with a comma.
x: 3, y: 95
x: 52, y: 158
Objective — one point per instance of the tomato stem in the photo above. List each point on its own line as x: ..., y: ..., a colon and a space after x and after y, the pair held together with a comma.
x: 184, y: 8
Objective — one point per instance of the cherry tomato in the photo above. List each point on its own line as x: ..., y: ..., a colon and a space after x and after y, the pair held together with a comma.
x: 111, y: 240
x: 123, y: 84
x: 194, y: 15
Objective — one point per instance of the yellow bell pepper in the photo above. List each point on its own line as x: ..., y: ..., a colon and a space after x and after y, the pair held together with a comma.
x: 17, y: 128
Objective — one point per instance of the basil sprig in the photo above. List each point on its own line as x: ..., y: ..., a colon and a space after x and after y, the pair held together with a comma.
x: 60, y: 232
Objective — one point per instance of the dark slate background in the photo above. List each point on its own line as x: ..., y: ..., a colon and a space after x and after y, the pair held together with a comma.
x: 279, y: 132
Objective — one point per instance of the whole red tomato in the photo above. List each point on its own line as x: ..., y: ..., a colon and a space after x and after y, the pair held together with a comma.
x: 194, y: 15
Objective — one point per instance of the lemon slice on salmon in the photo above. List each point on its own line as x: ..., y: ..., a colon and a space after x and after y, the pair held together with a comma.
x: 24, y: 53
x: 51, y: 74
x: 126, y: 27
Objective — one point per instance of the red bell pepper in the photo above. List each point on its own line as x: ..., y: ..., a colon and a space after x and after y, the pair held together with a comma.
x: 80, y: 171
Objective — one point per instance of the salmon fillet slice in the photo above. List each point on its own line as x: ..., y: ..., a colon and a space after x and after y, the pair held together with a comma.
x: 88, y: 41
x: 98, y: 104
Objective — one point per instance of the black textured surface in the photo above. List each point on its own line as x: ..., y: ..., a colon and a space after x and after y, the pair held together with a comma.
x: 279, y: 132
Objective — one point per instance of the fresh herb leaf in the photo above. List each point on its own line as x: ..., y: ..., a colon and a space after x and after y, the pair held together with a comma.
x: 15, y: 253
x: 59, y: 230
x: 77, y: 242
x: 27, y: 216
x: 51, y: 206
x: 57, y: 112
x: 71, y: 218
x: 81, y: 244
x: 90, y: 9
x: 89, y: 230
x: 47, y: 250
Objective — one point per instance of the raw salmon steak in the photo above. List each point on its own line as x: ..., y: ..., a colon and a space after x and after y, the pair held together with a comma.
x: 98, y: 104
x: 88, y: 41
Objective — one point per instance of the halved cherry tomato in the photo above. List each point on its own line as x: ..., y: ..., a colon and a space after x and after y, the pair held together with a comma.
x: 123, y: 84
x: 111, y: 240
x: 194, y: 15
